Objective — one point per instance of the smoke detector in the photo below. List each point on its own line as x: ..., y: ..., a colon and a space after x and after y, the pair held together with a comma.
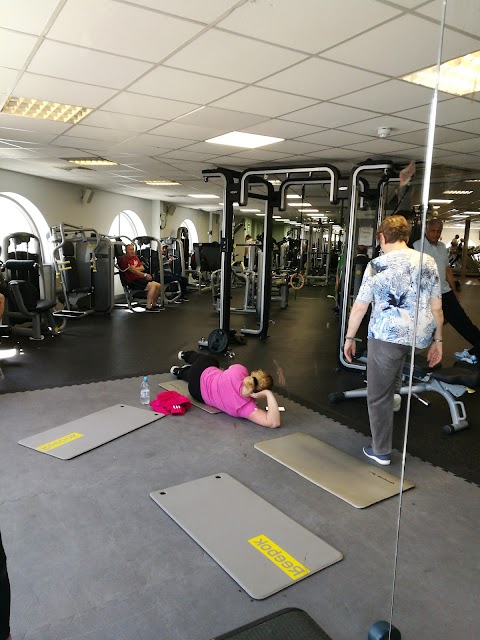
x: 384, y: 132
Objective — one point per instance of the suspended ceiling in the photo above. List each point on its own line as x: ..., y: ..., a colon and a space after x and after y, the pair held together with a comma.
x: 162, y: 76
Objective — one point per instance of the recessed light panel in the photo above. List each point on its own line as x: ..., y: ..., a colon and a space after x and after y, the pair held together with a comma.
x: 245, y: 140
x: 202, y: 195
x: 91, y: 161
x: 439, y: 201
x: 458, y: 77
x: 458, y: 192
x: 44, y: 110
x: 162, y: 183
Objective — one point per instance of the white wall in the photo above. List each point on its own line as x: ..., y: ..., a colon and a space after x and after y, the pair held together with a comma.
x: 62, y: 202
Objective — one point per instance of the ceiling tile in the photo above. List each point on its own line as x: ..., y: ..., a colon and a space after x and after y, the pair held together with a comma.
x: 423, y: 41
x: 461, y: 14
x: 231, y: 161
x: 397, y: 125
x: 187, y: 131
x: 442, y: 134
x: 283, y: 129
x: 29, y: 16
x: 209, y: 147
x: 89, y: 24
x: 390, y: 96
x: 162, y: 141
x: 471, y: 126
x: 30, y: 124
x: 339, y: 154
x: 186, y: 155
x: 448, y: 112
x: 252, y: 61
x: 321, y: 79
x: 91, y: 67
x: 275, y: 22
x: 97, y: 133
x: 135, y: 146
x: 380, y: 146
x: 7, y: 80
x: 65, y: 91
x: 82, y: 143
x: 148, y: 107
x: 329, y: 115
x: 334, y: 138
x: 15, y: 48
x: 222, y: 118
x: 297, y: 147
x: 183, y: 85
x: 466, y: 146
x: 262, y: 155
x: 120, y: 121
x: 263, y: 102
x: 27, y: 137
x: 204, y: 12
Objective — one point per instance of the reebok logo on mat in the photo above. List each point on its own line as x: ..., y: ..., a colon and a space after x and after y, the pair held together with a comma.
x: 284, y: 561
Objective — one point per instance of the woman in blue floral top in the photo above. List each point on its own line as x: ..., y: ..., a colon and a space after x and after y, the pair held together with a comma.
x: 394, y: 284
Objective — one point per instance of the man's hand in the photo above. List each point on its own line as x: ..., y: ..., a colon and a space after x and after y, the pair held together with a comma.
x: 148, y: 277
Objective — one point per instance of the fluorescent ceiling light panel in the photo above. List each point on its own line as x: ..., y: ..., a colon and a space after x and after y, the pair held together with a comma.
x: 202, y: 195
x: 299, y: 204
x: 471, y: 213
x: 245, y: 140
x: 162, y: 183
x: 293, y: 196
x: 458, y: 192
x: 277, y: 217
x: 44, y: 110
x: 459, y: 76
x: 475, y: 180
x: 278, y: 182
x: 342, y: 188
x: 439, y: 201
x: 308, y: 210
x: 250, y: 211
x: 437, y: 206
x: 90, y: 161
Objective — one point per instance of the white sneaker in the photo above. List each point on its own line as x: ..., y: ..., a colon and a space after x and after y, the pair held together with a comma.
x: 397, y: 402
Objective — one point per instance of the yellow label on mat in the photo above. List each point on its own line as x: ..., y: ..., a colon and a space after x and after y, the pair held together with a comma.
x: 59, y: 441
x: 284, y: 561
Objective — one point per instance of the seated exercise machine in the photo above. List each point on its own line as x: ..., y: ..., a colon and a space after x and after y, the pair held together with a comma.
x: 84, y: 267
x: 451, y: 383
x: 31, y: 286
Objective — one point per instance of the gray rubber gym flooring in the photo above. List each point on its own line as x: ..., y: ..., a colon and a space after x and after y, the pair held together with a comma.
x: 92, y: 557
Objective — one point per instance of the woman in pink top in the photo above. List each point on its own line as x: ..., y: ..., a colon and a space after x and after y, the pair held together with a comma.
x: 231, y: 390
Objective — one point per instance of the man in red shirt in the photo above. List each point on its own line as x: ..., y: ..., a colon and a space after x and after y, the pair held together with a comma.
x: 136, y: 278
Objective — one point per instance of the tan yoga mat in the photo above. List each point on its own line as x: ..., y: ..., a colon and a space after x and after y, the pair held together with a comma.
x: 258, y: 545
x: 358, y: 482
x: 181, y: 386
x: 79, y: 436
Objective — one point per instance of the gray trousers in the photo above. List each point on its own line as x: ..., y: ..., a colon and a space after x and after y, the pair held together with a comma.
x: 384, y: 365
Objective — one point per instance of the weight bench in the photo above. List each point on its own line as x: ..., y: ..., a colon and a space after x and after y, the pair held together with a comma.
x: 451, y: 383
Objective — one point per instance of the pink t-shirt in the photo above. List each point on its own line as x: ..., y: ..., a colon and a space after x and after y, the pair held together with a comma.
x: 223, y: 390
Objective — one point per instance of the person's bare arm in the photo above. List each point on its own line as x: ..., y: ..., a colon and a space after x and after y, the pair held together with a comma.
x: 270, y: 418
x: 435, y: 352
x: 357, y: 313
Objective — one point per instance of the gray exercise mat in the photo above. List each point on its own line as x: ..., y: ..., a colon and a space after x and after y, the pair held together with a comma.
x: 73, y: 438
x: 260, y: 547
x: 181, y: 386
x: 357, y: 482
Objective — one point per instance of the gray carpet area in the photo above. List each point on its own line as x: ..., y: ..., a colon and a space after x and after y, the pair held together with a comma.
x: 91, y: 556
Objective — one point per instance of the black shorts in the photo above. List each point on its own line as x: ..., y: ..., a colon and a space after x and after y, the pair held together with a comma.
x: 139, y: 284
